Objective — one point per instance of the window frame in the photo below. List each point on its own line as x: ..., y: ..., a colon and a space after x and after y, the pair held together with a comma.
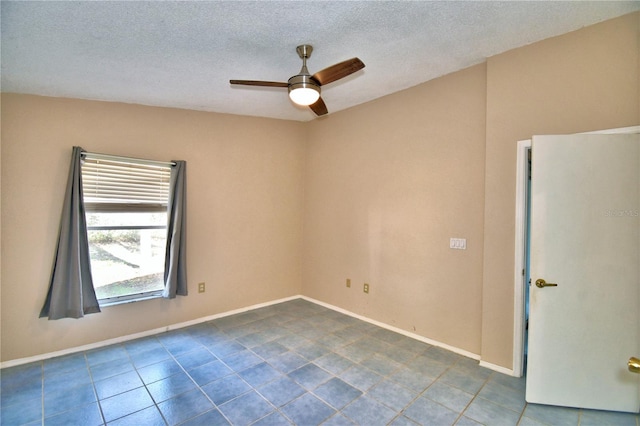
x: 118, y: 206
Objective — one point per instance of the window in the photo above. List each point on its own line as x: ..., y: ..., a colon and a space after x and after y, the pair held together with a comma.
x: 126, y: 210
x: 122, y: 195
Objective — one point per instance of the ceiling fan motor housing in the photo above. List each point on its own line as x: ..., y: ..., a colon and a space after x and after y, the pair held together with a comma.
x: 305, y: 82
x: 302, y: 81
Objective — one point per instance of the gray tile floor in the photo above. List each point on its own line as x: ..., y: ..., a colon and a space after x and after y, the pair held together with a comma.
x: 291, y: 363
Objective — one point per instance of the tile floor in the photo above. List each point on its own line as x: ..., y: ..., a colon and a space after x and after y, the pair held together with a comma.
x: 291, y: 363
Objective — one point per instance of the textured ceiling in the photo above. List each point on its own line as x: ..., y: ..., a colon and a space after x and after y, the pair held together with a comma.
x: 182, y: 54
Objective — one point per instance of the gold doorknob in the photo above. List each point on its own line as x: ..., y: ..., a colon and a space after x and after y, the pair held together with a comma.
x: 634, y: 365
x: 542, y: 283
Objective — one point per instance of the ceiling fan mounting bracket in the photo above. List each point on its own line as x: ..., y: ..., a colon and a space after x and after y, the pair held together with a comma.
x: 304, y: 51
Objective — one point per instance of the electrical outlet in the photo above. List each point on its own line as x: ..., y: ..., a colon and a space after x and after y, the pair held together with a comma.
x: 458, y: 243
x: 348, y: 283
x: 366, y: 288
x: 200, y: 287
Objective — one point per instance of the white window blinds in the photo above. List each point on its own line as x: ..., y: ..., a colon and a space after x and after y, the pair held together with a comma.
x: 124, y: 184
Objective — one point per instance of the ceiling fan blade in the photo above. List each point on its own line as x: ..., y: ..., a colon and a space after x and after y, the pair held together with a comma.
x: 319, y: 107
x: 338, y: 71
x: 259, y: 83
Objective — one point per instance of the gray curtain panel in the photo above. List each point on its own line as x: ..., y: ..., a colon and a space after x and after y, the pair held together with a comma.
x: 71, y: 293
x: 175, y: 263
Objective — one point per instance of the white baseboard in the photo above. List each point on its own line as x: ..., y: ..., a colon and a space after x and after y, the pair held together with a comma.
x: 497, y: 368
x: 122, y: 339
x: 432, y: 342
x: 397, y: 330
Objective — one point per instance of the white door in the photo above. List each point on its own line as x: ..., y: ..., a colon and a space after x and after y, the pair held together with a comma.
x: 585, y: 237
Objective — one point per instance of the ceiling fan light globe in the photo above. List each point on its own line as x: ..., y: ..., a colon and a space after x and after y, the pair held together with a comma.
x: 303, y: 90
x: 304, y: 95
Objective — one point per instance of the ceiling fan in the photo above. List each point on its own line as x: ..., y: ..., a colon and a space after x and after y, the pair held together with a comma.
x: 304, y: 88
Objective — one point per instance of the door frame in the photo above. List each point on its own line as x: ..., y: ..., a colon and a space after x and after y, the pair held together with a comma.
x: 521, y: 237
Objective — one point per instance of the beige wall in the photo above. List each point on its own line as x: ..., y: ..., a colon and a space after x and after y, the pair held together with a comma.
x: 582, y: 81
x: 387, y: 184
x: 244, y: 183
x: 380, y: 189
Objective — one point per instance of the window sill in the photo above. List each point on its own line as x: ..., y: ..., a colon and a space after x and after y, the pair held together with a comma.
x: 129, y: 299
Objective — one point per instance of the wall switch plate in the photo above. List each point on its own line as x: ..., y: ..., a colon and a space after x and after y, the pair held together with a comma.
x: 366, y: 288
x: 200, y: 287
x: 348, y: 282
x: 458, y: 243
